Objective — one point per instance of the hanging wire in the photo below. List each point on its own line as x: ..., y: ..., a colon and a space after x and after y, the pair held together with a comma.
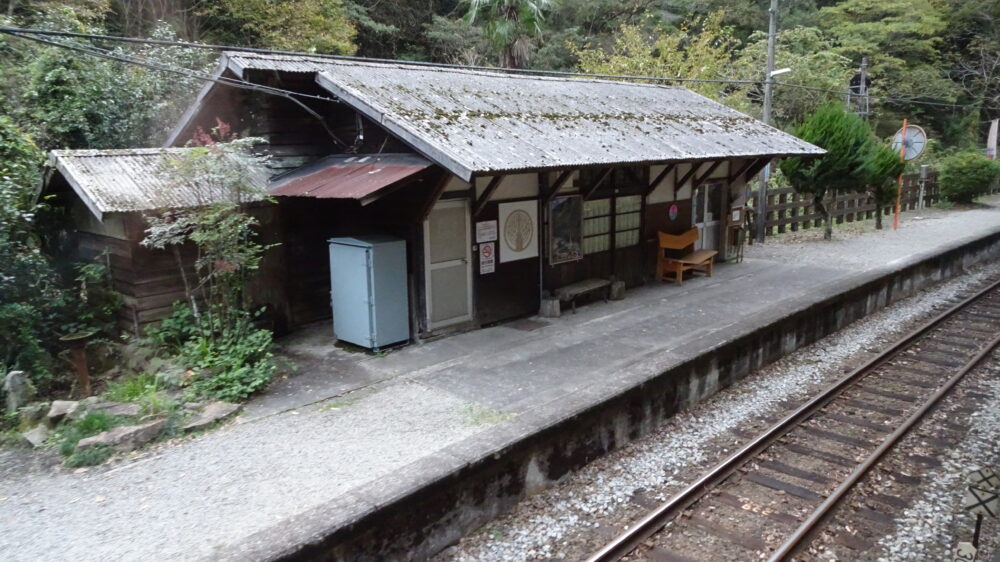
x: 225, y: 81
x: 27, y: 33
x: 163, y: 42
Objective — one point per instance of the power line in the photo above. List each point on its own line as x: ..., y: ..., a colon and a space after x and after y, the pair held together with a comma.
x: 26, y: 33
x: 234, y: 83
x: 204, y: 46
x: 887, y: 98
x: 198, y: 75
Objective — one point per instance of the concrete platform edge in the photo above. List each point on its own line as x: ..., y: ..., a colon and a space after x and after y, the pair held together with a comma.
x: 430, y: 504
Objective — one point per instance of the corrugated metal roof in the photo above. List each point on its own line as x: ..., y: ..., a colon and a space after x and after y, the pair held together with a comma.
x: 129, y: 180
x: 348, y: 177
x: 478, y: 122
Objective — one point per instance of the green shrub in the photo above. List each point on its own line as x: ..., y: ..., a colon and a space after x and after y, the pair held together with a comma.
x: 175, y: 330
x: 131, y: 389
x: 231, y: 367
x: 89, y: 425
x: 89, y: 457
x: 967, y: 175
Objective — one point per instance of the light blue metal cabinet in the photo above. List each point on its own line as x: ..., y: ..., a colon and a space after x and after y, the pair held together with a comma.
x: 368, y: 290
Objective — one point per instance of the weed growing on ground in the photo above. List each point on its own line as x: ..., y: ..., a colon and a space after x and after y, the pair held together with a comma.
x: 131, y: 389
x: 89, y: 457
x: 87, y: 426
x: 143, y: 390
x: 481, y: 415
x: 336, y: 405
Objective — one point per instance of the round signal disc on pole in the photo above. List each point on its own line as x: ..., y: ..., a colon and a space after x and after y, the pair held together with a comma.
x: 916, y: 142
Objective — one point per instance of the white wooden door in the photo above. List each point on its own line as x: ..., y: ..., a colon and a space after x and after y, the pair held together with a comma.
x: 707, y: 215
x: 448, y: 264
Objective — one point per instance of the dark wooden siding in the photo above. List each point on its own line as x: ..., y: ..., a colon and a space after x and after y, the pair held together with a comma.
x: 307, y: 225
x: 624, y: 264
x: 509, y: 292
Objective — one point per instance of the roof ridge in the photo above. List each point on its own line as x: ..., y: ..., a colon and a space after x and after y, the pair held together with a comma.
x: 93, y: 152
x: 418, y: 65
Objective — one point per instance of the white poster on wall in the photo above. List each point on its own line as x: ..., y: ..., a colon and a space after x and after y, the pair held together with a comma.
x: 486, y: 231
x: 518, y: 230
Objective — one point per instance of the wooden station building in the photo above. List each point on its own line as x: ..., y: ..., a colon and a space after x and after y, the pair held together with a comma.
x: 504, y: 186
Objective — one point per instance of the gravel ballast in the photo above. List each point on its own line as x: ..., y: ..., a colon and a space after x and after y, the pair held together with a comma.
x: 562, y: 522
x: 931, y: 528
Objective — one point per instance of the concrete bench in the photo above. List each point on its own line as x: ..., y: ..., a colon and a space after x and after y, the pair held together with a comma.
x: 570, y: 292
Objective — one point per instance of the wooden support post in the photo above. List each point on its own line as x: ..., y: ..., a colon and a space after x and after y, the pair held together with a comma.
x: 699, y: 180
x: 782, y: 201
x: 740, y: 171
x: 487, y: 193
x: 796, y: 201
x: 756, y: 167
x: 659, y: 179
x: 600, y: 179
x: 435, y: 195
x: 683, y: 179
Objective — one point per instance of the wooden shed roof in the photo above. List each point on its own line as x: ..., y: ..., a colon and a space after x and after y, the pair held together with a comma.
x: 129, y: 180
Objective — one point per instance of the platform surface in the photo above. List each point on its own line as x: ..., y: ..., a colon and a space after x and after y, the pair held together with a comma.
x: 332, y: 432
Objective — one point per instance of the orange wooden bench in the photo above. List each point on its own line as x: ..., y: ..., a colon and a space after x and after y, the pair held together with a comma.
x: 697, y: 260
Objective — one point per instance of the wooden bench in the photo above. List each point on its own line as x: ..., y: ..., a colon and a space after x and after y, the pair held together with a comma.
x: 570, y: 292
x: 697, y: 260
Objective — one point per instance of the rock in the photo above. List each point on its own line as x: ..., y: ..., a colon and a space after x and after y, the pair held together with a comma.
x: 617, y: 291
x: 550, y: 308
x: 34, y: 413
x: 18, y: 390
x: 62, y: 408
x: 124, y: 438
x: 212, y: 413
x: 36, y: 435
x: 86, y: 405
x: 117, y: 408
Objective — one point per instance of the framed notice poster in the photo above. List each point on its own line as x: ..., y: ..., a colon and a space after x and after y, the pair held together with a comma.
x: 487, y: 258
x: 486, y: 231
x: 565, y: 229
x: 518, y: 230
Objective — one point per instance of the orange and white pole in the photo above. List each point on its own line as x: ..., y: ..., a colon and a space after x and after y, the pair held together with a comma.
x: 899, y: 190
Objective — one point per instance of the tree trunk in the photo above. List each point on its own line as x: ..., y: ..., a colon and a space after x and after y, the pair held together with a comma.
x: 825, y: 213
x: 878, y: 216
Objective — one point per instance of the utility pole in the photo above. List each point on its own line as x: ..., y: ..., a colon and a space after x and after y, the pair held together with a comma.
x: 857, y: 92
x: 772, y: 32
x: 864, y: 88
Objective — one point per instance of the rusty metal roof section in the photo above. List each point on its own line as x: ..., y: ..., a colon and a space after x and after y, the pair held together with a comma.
x: 130, y: 180
x: 361, y: 176
x: 479, y: 122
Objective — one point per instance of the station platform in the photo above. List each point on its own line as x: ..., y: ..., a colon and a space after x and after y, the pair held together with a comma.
x: 359, y: 455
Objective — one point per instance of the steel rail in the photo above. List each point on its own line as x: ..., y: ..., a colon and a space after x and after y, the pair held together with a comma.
x: 817, y: 517
x: 656, y: 519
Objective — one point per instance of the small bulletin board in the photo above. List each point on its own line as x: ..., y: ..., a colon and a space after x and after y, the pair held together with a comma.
x: 565, y: 229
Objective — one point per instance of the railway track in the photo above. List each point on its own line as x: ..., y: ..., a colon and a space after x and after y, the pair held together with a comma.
x: 785, y: 482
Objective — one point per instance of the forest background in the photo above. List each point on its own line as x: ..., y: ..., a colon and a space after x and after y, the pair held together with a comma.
x: 936, y: 62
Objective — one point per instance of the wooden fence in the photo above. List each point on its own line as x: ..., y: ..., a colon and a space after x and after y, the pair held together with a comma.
x: 788, y: 210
